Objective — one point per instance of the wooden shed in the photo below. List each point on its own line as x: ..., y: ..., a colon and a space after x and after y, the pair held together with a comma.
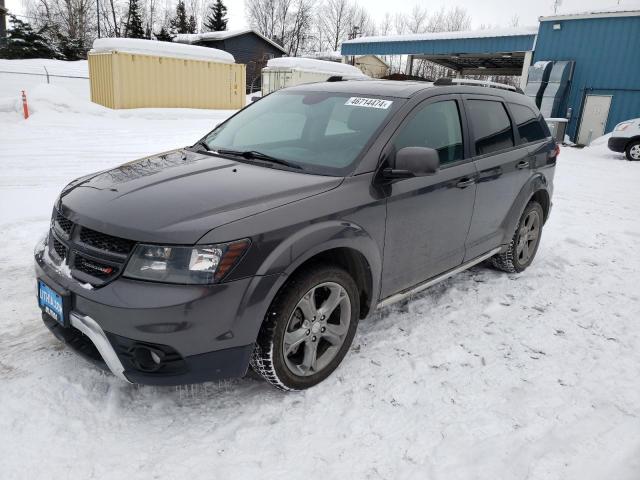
x: 132, y: 73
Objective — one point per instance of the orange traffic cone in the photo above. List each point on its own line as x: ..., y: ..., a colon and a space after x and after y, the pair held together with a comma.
x: 25, y: 105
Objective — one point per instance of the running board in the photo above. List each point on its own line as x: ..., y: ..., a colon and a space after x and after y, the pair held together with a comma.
x: 429, y: 283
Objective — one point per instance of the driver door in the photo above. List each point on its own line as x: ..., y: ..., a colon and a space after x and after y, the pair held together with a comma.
x: 428, y: 217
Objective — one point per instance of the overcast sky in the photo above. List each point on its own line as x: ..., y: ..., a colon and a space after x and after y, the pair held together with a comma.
x: 487, y: 12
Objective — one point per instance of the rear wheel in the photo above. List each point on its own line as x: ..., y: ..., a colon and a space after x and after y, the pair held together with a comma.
x: 308, y: 329
x: 524, y: 244
x: 632, y: 151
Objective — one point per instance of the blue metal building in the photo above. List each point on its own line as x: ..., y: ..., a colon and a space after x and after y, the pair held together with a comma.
x: 606, y: 50
x: 602, y: 47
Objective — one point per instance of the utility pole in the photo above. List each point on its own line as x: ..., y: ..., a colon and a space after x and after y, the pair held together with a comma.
x: 556, y: 5
x: 3, y: 22
x: 97, y: 12
x: 355, y: 31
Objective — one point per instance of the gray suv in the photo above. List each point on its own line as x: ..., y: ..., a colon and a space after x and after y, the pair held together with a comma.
x: 267, y: 241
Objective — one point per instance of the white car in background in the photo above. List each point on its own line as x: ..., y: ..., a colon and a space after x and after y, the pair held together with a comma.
x: 625, y: 138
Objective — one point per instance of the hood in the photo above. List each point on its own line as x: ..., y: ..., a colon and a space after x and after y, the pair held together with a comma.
x: 177, y: 197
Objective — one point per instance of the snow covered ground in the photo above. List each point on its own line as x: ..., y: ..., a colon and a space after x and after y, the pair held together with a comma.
x: 486, y: 376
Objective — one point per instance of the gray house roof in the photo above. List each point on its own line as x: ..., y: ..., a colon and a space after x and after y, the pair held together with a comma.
x: 223, y: 35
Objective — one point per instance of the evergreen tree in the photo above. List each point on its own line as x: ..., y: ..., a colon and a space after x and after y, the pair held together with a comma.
x: 24, y: 42
x: 192, y: 24
x: 134, y: 28
x: 164, y: 35
x: 71, y: 48
x: 180, y: 23
x: 216, y: 21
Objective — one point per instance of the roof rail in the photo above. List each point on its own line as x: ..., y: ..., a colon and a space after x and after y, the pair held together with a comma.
x: 335, y: 78
x: 480, y: 83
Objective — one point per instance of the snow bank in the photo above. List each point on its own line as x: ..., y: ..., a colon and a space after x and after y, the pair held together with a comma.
x: 17, y: 75
x: 51, y: 98
x: 9, y: 104
x: 161, y: 49
x: 487, y: 33
x: 40, y: 66
x: 310, y: 64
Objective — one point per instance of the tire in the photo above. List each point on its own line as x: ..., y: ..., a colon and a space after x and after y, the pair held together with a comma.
x: 522, y: 250
x: 284, y: 351
x: 632, y: 152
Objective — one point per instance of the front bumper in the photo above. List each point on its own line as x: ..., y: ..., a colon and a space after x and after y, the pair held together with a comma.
x: 617, y: 144
x: 201, y: 333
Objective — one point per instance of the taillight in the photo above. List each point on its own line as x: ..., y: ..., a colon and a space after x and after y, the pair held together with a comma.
x: 555, y: 152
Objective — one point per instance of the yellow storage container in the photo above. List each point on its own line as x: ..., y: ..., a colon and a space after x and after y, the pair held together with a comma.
x: 123, y: 80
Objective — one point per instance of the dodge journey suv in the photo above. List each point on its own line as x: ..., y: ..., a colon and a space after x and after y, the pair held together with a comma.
x: 264, y: 243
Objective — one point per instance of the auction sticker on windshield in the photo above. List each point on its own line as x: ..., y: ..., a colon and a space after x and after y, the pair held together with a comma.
x: 369, y: 102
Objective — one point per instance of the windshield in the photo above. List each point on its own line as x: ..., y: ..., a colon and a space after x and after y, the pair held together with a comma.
x: 319, y: 132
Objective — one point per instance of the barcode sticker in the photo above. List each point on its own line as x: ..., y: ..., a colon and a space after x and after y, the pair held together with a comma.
x: 369, y: 102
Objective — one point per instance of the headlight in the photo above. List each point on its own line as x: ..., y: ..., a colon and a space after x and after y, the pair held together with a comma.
x: 186, y: 265
x: 622, y: 126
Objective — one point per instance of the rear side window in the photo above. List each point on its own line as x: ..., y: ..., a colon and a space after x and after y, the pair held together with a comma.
x: 434, y: 125
x: 529, y: 127
x: 491, y: 126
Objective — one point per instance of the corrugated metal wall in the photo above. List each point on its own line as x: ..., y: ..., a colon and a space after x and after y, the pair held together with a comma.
x: 123, y: 80
x: 607, y: 56
x: 517, y: 43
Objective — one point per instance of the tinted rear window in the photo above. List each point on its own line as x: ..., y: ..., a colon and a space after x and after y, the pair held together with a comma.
x: 491, y: 126
x: 529, y: 127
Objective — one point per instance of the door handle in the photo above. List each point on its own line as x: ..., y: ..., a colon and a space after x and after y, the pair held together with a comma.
x: 522, y: 164
x: 464, y: 183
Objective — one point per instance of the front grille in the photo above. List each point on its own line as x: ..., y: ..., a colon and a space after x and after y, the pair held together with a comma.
x: 105, y: 242
x: 94, y: 268
x: 92, y: 256
x: 60, y: 249
x: 64, y: 223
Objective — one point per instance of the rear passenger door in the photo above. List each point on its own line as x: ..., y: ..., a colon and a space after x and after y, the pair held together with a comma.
x: 503, y: 165
x: 428, y: 217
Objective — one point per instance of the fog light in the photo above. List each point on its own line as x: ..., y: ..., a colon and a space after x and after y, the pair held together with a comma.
x: 147, y: 359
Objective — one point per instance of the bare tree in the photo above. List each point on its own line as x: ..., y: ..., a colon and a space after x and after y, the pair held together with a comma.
x: 416, y: 21
x: 385, y: 25
x: 336, y: 17
x: 297, y: 36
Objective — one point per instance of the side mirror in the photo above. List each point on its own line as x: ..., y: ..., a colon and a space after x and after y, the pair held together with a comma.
x: 414, y: 162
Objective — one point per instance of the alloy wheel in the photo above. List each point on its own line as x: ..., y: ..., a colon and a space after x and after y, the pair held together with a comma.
x: 317, y: 329
x: 528, y: 237
x: 634, y: 152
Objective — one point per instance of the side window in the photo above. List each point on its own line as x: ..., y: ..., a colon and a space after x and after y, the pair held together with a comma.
x: 491, y: 125
x: 437, y: 126
x: 529, y: 127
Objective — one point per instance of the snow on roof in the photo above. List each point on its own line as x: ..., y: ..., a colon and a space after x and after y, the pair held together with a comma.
x: 486, y: 33
x: 161, y: 49
x: 310, y: 64
x: 623, y: 10
x: 223, y: 35
x: 326, y: 55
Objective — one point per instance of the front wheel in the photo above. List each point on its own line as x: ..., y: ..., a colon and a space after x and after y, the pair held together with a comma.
x: 308, y: 329
x: 525, y: 241
x: 633, y: 151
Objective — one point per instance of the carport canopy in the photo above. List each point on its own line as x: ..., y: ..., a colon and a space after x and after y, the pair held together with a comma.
x: 505, y: 51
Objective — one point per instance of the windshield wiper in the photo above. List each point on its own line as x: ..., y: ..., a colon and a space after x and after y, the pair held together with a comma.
x: 203, y: 144
x: 254, y: 155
